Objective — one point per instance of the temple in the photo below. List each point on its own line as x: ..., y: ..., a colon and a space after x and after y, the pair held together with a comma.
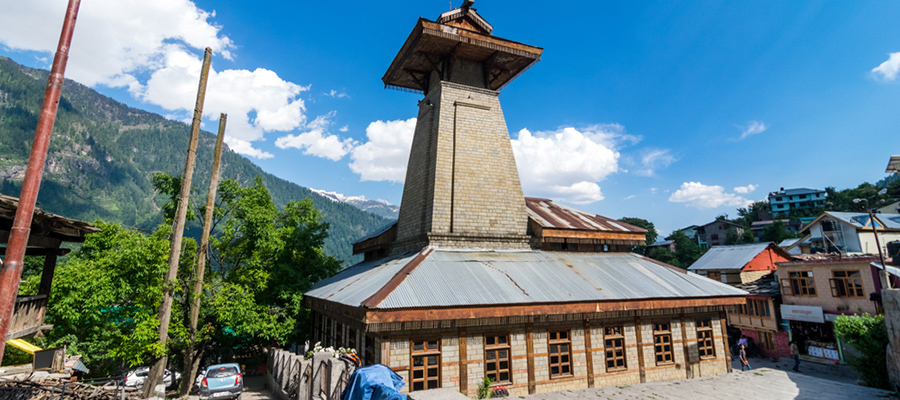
x: 476, y: 280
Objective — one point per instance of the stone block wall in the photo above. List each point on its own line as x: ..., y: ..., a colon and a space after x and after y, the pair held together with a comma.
x: 687, y: 363
x: 462, y: 185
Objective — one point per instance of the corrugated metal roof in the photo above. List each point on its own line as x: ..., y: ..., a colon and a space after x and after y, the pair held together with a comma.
x: 891, y: 269
x: 891, y: 221
x: 470, y: 277
x: 557, y: 216
x: 728, y: 257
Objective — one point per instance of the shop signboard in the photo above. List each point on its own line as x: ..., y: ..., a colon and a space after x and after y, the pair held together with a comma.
x: 802, y: 313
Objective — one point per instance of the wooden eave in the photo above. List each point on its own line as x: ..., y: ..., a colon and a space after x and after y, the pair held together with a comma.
x: 430, y: 42
x: 584, y: 234
x: 373, y: 316
x: 44, y: 224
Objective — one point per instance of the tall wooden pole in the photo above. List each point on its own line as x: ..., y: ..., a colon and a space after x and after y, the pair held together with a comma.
x: 190, y: 362
x: 11, y: 272
x: 165, y: 309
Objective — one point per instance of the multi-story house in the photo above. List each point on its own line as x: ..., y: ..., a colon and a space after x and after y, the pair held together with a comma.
x: 714, y: 233
x: 784, y: 201
x: 739, y: 264
x: 751, y: 267
x: 842, y: 232
x: 760, y: 318
x: 817, y: 291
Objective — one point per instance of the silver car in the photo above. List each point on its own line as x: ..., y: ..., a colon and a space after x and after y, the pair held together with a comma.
x: 222, y: 381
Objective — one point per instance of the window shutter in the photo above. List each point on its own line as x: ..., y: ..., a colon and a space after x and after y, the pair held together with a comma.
x: 786, y: 287
x: 835, y: 291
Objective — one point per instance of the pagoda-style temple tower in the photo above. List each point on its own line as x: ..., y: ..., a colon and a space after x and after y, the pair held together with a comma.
x: 476, y: 280
x: 462, y: 186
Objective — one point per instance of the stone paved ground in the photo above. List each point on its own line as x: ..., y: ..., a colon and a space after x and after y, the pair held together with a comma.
x: 760, y: 383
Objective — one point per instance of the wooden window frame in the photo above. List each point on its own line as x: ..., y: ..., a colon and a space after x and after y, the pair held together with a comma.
x: 852, y: 285
x: 563, y: 357
x: 706, y: 343
x: 662, y: 338
x: 424, y: 354
x: 715, y: 275
x: 496, y: 349
x: 802, y: 286
x: 614, y: 339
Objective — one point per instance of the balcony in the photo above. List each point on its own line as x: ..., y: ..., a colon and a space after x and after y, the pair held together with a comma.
x: 28, y: 316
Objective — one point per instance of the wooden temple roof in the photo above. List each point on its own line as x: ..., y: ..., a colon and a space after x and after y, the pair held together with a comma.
x: 430, y: 43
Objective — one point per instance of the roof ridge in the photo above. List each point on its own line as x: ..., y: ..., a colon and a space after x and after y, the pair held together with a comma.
x: 398, y: 278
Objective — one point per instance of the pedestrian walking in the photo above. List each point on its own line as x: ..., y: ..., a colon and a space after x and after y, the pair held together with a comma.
x: 743, y: 357
x: 795, y: 352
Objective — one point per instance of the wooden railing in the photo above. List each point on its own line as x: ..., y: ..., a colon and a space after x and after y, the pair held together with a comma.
x: 28, y: 317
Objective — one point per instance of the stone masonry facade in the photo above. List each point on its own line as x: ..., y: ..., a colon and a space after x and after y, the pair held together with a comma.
x: 474, y: 199
x: 529, y: 362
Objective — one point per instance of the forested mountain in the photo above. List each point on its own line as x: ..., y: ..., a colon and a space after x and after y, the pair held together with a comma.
x: 103, y: 154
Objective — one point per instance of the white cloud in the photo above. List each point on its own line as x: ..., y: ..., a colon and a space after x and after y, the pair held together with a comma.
x: 888, y: 70
x: 385, y: 155
x: 752, y: 128
x: 653, y: 160
x: 316, y: 140
x: 344, y: 128
x: 114, y: 40
x: 154, y: 49
x: 696, y: 194
x: 566, y: 164
x: 629, y: 197
x: 336, y: 94
x: 745, y: 189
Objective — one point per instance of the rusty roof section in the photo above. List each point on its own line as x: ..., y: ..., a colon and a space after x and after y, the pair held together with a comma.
x: 551, y: 215
x: 45, y: 223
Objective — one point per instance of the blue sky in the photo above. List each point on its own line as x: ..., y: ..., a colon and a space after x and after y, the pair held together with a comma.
x: 670, y: 111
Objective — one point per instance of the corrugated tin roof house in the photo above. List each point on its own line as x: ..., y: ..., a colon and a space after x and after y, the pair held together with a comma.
x: 475, y: 280
x: 739, y: 264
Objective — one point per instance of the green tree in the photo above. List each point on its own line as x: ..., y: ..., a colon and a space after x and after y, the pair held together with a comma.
x: 732, y: 237
x: 104, y: 299
x: 776, y: 232
x: 650, y: 237
x: 662, y: 254
x: 268, y: 258
x: 687, y: 251
x: 869, y: 336
x: 756, y: 211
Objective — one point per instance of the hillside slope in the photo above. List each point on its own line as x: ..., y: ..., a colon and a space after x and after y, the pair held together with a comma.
x: 103, y: 154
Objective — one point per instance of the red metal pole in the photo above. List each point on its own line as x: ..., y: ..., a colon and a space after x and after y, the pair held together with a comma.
x: 11, y: 273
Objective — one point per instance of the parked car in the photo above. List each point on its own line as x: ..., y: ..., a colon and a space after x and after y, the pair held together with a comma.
x: 137, y: 377
x: 222, y: 381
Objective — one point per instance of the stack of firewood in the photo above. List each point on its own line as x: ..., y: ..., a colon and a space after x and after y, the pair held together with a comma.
x: 52, y: 389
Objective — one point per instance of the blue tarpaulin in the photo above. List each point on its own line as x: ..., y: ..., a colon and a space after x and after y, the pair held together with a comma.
x: 375, y: 382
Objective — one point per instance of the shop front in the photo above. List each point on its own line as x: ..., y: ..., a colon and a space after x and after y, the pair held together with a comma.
x: 814, y: 332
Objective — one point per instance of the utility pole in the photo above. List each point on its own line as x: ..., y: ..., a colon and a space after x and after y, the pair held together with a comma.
x: 11, y: 272
x: 165, y: 309
x: 190, y: 362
